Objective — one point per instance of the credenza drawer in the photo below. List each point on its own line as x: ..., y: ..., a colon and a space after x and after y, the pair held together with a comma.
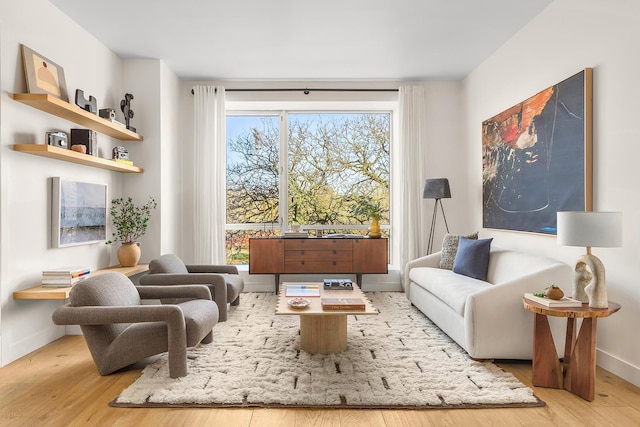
x: 318, y: 244
x: 305, y: 255
x: 317, y: 267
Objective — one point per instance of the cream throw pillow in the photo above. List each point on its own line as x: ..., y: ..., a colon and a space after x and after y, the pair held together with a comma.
x: 450, y: 248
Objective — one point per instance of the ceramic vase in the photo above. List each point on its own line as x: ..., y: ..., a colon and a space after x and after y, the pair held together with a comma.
x: 129, y: 254
x: 374, y: 228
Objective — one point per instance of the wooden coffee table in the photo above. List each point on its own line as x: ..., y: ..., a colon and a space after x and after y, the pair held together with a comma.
x: 322, y: 331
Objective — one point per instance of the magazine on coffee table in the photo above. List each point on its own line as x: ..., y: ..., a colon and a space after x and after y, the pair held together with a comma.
x: 295, y: 290
x: 338, y: 284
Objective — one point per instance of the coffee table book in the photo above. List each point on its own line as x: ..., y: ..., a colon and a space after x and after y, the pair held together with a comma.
x: 355, y: 304
x: 295, y: 290
x: 548, y: 302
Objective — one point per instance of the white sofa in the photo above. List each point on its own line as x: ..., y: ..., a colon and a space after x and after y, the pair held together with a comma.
x: 487, y: 319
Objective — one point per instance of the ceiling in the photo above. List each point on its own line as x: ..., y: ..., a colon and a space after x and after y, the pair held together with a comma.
x: 307, y: 40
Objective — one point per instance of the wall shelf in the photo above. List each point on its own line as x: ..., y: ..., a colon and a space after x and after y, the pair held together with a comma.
x: 42, y: 293
x: 75, y: 157
x: 52, y: 105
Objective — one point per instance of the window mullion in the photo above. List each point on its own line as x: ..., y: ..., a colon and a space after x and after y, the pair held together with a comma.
x: 284, y: 172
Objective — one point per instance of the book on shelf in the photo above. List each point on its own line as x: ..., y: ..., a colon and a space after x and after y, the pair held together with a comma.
x: 338, y: 284
x: 548, y: 302
x: 71, y: 271
x: 61, y: 282
x: 302, y: 290
x: 337, y: 304
x: 124, y: 162
x: 343, y: 236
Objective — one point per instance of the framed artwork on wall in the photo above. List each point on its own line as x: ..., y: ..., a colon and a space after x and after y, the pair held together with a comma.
x: 78, y: 214
x: 537, y: 158
x: 43, y: 75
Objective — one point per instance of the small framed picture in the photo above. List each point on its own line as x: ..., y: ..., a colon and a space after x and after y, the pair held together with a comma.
x: 43, y: 75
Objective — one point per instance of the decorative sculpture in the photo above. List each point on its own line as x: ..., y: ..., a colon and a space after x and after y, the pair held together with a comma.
x: 589, y: 282
x: 90, y: 105
x: 125, y: 106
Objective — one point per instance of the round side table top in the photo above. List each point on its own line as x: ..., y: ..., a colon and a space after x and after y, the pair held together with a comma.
x: 585, y: 311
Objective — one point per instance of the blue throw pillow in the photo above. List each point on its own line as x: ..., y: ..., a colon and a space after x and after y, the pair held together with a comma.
x: 472, y: 258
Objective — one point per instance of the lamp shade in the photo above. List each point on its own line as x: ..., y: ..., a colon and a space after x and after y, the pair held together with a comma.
x: 437, y: 188
x: 590, y: 229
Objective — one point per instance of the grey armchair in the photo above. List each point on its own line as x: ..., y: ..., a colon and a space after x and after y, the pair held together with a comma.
x: 223, y: 280
x: 120, y: 331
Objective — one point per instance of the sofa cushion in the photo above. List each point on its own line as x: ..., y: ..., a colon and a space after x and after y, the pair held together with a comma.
x: 472, y: 258
x: 452, y: 288
x: 450, y: 248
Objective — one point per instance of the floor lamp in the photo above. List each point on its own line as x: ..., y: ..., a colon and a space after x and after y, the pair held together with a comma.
x: 436, y: 188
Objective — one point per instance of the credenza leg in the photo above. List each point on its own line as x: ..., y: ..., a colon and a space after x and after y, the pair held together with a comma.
x: 277, y: 282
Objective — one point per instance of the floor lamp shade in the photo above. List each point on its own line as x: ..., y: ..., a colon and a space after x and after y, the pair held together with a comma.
x: 590, y: 229
x: 436, y: 188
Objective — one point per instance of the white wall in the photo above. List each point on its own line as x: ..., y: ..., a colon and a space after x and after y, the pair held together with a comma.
x: 25, y: 179
x: 25, y: 188
x: 565, y: 38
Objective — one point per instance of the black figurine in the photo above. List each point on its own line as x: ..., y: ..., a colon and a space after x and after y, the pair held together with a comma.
x: 125, y: 106
x: 89, y: 105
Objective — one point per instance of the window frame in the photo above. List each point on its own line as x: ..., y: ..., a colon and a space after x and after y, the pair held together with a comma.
x: 281, y: 109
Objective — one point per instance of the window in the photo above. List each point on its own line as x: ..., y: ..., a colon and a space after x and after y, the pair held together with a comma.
x: 333, y: 159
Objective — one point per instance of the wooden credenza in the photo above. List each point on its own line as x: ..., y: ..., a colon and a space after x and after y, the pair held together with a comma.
x: 318, y: 256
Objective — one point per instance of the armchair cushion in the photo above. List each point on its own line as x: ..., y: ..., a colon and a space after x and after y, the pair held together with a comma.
x: 168, y: 263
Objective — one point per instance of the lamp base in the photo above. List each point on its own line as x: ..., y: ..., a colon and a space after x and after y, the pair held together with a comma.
x: 589, y: 282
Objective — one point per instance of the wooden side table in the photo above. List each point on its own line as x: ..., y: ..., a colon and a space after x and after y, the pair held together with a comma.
x: 578, y: 374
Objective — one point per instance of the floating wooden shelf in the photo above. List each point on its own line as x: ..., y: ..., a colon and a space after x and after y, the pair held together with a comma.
x: 75, y: 157
x: 52, y: 105
x: 39, y: 292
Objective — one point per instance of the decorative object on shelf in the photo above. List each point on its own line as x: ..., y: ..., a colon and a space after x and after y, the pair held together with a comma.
x: 120, y: 153
x: 436, y: 188
x: 79, y: 212
x: 372, y: 209
x: 79, y: 148
x: 90, y: 105
x: 130, y: 222
x: 107, y: 113
x: 553, y: 292
x: 85, y: 137
x: 57, y: 139
x: 125, y: 106
x: 536, y: 158
x: 43, y: 75
x: 590, y: 229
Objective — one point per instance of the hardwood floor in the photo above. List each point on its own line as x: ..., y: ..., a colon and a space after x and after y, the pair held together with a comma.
x: 58, y: 385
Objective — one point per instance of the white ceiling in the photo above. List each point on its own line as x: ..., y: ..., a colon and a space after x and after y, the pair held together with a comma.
x: 306, y: 40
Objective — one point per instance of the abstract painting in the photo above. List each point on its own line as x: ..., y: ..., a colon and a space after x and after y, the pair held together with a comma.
x: 536, y: 158
x: 79, y: 213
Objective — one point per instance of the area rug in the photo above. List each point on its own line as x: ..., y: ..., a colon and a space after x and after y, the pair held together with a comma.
x: 397, y: 359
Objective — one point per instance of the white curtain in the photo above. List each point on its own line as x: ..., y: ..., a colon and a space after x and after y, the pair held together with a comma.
x: 209, y: 182
x: 413, y: 154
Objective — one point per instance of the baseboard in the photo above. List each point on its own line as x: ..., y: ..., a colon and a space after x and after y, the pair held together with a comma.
x: 618, y: 367
x: 31, y: 343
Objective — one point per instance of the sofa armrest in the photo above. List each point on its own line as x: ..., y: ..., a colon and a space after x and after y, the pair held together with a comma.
x: 495, y: 316
x: 432, y: 260
x: 221, y: 269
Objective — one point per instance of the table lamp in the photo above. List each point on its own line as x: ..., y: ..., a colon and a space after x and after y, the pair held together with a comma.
x: 590, y: 229
x: 436, y: 188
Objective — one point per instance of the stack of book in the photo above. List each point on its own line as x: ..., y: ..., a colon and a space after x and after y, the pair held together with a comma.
x: 63, y: 277
x: 295, y: 234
